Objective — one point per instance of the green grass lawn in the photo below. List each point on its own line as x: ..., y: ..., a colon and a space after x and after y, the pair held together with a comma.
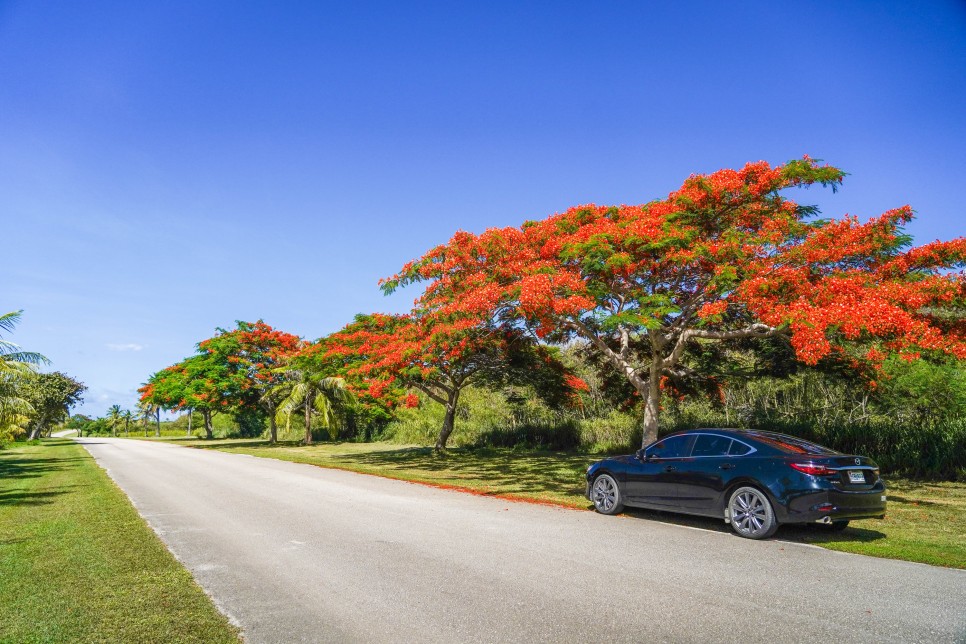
x: 926, y: 522
x: 78, y: 564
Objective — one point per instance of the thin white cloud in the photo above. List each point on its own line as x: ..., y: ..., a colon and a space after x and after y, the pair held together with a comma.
x: 125, y: 347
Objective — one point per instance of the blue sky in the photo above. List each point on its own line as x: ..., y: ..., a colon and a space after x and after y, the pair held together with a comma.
x: 167, y: 168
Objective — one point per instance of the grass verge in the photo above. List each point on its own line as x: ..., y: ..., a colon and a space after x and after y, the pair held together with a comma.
x: 78, y: 564
x: 926, y: 522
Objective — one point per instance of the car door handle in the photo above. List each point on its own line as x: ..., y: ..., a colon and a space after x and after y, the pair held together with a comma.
x: 670, y: 468
x: 727, y: 466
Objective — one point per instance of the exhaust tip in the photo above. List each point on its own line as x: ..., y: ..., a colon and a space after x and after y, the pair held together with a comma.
x: 825, y: 520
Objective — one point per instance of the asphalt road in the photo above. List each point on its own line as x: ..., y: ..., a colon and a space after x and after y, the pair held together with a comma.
x: 295, y: 553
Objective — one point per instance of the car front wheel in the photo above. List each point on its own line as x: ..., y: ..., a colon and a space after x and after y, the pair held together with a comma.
x: 751, y: 513
x: 606, y: 495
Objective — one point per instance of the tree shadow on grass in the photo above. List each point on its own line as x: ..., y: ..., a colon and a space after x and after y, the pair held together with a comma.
x: 12, y: 467
x: 19, y: 497
x: 251, y: 444
x: 496, y: 471
x: 895, y: 498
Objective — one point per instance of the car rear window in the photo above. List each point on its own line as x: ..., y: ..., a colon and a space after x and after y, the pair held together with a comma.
x: 711, y: 445
x: 738, y: 449
x: 790, y: 444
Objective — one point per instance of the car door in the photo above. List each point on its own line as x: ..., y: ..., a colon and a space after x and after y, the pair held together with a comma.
x: 702, y: 476
x: 653, y: 480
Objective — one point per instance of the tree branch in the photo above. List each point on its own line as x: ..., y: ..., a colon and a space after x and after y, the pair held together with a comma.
x: 619, y: 361
x: 757, y: 330
x: 432, y: 394
x: 752, y: 331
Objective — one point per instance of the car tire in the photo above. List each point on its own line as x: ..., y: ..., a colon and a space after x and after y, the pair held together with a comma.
x: 606, y: 496
x: 751, y: 513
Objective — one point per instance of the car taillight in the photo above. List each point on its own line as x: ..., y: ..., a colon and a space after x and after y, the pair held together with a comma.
x: 814, y: 470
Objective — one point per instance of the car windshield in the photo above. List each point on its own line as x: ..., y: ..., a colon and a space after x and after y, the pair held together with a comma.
x: 790, y: 444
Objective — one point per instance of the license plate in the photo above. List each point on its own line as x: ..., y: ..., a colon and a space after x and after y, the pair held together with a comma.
x: 856, y: 476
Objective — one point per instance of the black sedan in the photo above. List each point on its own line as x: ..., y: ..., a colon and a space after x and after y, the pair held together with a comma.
x: 754, y: 480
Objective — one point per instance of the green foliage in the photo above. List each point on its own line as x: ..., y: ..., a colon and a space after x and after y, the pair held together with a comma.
x: 924, y: 391
x: 511, y: 416
x: 77, y: 421
x: 250, y: 422
x: 16, y: 371
x: 51, y: 395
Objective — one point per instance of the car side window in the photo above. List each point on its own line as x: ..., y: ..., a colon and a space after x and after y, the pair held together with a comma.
x: 672, y: 447
x: 738, y: 449
x: 711, y: 445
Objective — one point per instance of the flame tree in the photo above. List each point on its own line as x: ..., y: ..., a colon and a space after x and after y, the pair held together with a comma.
x: 727, y: 256
x: 233, y: 371
x: 253, y: 353
x: 439, y: 356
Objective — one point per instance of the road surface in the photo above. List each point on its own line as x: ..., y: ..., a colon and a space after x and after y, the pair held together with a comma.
x: 292, y: 553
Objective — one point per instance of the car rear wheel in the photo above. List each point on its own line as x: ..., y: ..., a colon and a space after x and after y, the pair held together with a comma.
x: 606, y: 495
x: 751, y: 514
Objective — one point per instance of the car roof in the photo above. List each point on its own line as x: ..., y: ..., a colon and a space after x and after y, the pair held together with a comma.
x: 784, y: 443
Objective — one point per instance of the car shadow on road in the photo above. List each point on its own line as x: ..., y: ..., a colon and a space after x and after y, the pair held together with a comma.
x: 799, y: 533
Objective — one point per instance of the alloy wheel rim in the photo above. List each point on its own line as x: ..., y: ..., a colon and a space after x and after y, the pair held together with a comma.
x: 748, y: 513
x: 605, y: 494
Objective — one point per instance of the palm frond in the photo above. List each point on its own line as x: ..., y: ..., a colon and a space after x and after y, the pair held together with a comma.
x: 8, y: 321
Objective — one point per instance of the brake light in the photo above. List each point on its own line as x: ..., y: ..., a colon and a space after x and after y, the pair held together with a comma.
x: 814, y: 470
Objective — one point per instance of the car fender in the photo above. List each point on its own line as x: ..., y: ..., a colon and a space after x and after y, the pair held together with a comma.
x: 773, y: 495
x: 616, y: 469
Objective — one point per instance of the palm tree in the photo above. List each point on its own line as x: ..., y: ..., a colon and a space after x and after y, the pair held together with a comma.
x: 15, y: 410
x: 10, y: 352
x: 114, y: 418
x: 127, y: 416
x: 148, y: 411
x: 16, y: 366
x: 313, y: 392
x: 144, y: 414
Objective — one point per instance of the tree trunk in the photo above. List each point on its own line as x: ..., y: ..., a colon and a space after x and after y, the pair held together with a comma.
x: 308, y: 419
x: 127, y: 428
x: 191, y: 413
x: 157, y: 427
x: 448, y: 421
x: 206, y: 414
x: 144, y: 425
x: 34, y: 433
x: 272, y: 425
x: 652, y: 407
